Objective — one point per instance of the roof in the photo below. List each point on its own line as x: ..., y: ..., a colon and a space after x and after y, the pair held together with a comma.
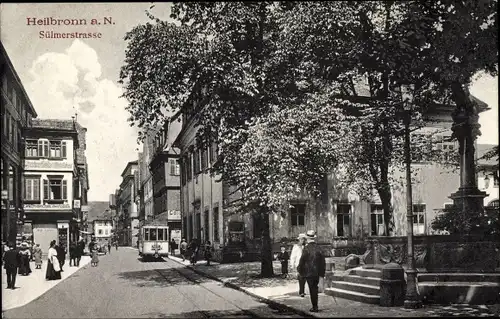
x: 481, y: 150
x: 128, y: 165
x: 98, y: 211
x: 63, y: 125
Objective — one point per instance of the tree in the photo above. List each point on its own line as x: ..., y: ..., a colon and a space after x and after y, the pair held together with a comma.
x: 221, y: 64
x: 238, y: 65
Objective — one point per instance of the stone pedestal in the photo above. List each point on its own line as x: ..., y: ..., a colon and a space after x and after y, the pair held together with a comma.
x: 465, y: 129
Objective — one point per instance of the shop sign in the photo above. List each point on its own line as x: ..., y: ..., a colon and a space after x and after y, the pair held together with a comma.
x: 76, y: 203
x: 174, y: 215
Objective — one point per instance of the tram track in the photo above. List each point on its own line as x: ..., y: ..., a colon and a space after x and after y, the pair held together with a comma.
x: 204, y: 313
x: 241, y: 312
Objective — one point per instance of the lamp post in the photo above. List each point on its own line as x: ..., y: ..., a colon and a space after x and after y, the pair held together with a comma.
x: 412, y: 299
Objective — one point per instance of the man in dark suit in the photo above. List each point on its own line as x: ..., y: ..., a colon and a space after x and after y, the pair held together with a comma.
x: 312, y: 266
x: 12, y: 260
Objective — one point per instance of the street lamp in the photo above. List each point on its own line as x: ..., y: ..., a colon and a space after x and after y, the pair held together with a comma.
x: 486, y: 181
x: 412, y: 299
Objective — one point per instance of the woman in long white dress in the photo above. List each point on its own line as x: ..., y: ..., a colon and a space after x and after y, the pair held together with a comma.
x: 53, y: 267
x: 294, y: 261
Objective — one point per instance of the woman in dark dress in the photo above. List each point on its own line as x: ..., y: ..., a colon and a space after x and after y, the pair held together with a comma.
x: 53, y: 267
x: 25, y: 255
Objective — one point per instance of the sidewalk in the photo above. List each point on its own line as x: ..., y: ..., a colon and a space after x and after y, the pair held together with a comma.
x: 244, y: 277
x: 29, y: 288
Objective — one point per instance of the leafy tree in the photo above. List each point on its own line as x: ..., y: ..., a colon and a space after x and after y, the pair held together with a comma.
x: 244, y: 67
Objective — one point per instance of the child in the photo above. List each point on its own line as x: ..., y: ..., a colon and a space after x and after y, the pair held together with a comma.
x: 208, y: 252
x: 283, y: 258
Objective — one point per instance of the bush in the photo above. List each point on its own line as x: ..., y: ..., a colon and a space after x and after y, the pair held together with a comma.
x: 457, y: 221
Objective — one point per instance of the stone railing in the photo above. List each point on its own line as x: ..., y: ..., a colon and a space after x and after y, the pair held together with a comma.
x: 437, y: 253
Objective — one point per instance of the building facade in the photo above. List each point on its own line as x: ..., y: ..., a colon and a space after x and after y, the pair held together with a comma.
x: 103, y: 230
x: 488, y: 176
x: 50, y: 175
x: 340, y: 218
x: 165, y: 176
x: 17, y: 113
x: 128, y: 221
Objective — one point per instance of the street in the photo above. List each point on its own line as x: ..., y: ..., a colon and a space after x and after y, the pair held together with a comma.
x: 123, y: 286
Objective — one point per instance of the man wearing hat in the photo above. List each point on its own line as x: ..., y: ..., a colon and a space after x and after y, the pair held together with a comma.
x: 312, y: 266
x: 294, y: 261
x: 11, y: 260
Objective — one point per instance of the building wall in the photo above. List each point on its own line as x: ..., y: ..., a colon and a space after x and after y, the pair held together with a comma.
x: 491, y: 187
x: 16, y: 113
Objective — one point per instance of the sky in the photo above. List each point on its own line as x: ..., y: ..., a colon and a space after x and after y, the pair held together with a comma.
x: 67, y: 76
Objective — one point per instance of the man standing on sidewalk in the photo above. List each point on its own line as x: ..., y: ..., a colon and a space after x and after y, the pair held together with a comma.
x: 11, y: 261
x: 312, y: 266
x: 294, y: 261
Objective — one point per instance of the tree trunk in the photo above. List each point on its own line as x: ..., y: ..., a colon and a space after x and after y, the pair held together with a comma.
x: 266, y: 266
x: 385, y: 198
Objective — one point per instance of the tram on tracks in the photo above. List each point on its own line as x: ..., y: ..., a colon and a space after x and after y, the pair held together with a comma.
x: 153, y: 241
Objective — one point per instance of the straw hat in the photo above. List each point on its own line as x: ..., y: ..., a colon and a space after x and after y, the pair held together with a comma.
x: 311, y: 234
x: 301, y: 235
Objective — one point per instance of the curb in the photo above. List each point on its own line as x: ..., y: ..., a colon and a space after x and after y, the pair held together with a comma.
x: 270, y: 302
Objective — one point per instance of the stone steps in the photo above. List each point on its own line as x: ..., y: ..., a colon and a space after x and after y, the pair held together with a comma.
x: 359, y: 284
x: 356, y: 287
x: 353, y: 295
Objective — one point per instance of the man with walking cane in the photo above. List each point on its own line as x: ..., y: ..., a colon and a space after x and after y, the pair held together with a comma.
x: 312, y: 266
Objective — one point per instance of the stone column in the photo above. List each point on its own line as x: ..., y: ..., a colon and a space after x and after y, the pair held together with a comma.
x: 466, y: 129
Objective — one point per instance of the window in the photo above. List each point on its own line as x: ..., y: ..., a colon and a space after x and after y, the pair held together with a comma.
x: 213, y: 153
x: 189, y: 170
x: 446, y: 147
x: 204, y: 158
x: 207, y: 226
x: 106, y: 232
x: 9, y: 127
x: 343, y: 219
x: 196, y: 161
x: 32, y: 188
x: 55, y: 189
x: 182, y: 166
x: 216, y: 224
x: 174, y: 167
x: 153, y: 234
x: 14, y: 135
x: 43, y: 148
x: 257, y: 225
x: 298, y: 214
x: 377, y: 220
x: 418, y: 219
x: 31, y: 148
x: 146, y: 233
x: 495, y: 179
x: 11, y: 188
x: 57, y: 149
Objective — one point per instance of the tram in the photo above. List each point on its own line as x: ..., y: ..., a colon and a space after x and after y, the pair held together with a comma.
x: 153, y: 241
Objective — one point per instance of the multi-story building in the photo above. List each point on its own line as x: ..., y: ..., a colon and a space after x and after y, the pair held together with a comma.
x: 99, y: 212
x: 50, y: 175
x: 103, y: 230
x: 81, y: 185
x: 16, y: 113
x: 339, y: 217
x: 128, y: 223
x: 165, y: 173
x: 488, y: 175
